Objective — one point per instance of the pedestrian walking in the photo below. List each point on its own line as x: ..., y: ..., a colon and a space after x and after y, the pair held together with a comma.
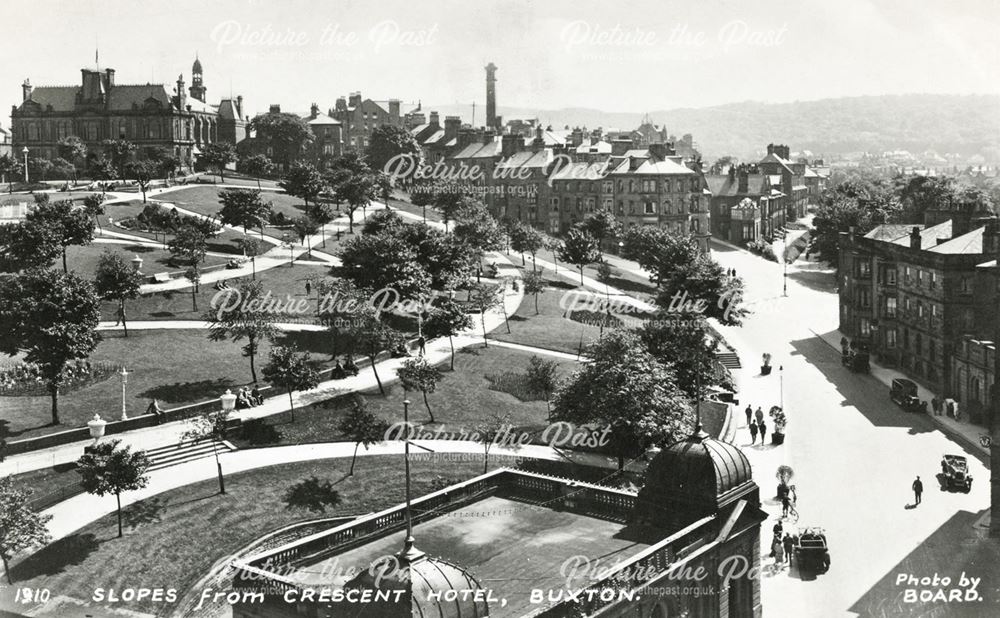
x: 119, y: 315
x: 778, y: 550
x: 935, y: 404
x: 753, y: 433
x: 154, y: 409
x: 918, y: 489
x: 788, y: 543
x: 759, y: 414
x: 749, y: 412
x: 309, y: 288
x: 786, y: 504
x: 422, y: 345
x: 762, y: 426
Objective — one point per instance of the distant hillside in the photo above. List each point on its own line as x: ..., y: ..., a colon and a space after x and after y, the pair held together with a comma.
x: 963, y: 124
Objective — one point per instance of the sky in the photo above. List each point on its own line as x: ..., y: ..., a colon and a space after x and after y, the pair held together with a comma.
x: 624, y: 57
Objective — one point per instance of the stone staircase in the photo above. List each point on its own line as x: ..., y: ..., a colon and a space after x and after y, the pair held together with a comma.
x: 729, y: 360
x: 166, y: 456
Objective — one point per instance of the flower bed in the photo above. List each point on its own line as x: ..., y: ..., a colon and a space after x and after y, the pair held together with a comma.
x: 25, y: 379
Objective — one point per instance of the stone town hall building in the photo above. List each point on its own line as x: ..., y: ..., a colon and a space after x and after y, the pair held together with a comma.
x: 148, y: 115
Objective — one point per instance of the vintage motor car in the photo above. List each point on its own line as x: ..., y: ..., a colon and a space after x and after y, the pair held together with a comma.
x: 955, y: 469
x: 904, y: 393
x: 811, y: 551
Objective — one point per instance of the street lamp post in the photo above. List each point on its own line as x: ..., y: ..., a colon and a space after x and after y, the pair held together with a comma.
x: 123, y: 374
x: 228, y: 401
x: 781, y: 385
x: 784, y: 264
x: 25, y: 152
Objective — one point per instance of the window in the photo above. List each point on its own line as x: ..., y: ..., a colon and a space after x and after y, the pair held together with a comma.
x: 920, y: 309
x: 666, y: 207
x: 649, y: 208
x: 932, y: 280
x: 608, y: 186
x: 964, y: 286
x: 890, y: 276
x: 33, y: 132
x: 696, y: 226
x: 865, y: 326
x: 890, y: 307
x: 554, y: 202
x: 906, y: 274
x: 906, y: 339
x: 608, y: 204
x: 890, y: 338
x: 694, y: 184
x: 649, y: 186
x: 934, y: 311
x: 920, y: 276
x: 864, y: 268
x: 919, y: 343
x: 907, y: 304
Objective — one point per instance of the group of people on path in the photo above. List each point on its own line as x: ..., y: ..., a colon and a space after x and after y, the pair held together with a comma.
x: 247, y: 398
x: 945, y: 406
x: 782, y: 546
x: 755, y: 421
x: 340, y: 372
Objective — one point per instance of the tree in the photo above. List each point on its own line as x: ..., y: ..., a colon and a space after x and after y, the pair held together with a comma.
x: 168, y: 165
x: 688, y: 346
x: 704, y: 282
x: 102, y: 168
x: 21, y: 528
x: 286, y: 134
x: 40, y: 168
x: 219, y: 155
x: 579, y: 249
x: 107, y: 469
x: 483, y: 297
x: 358, y: 189
x: 627, y: 392
x: 489, y: 430
x: 604, y: 274
x: 292, y: 371
x: 248, y: 319
x: 448, y: 260
x: 534, y: 284
x: 142, y: 172
x: 306, y: 228
x: 72, y: 226
x: 73, y: 150
x: 387, y: 142
x: 479, y: 230
x: 52, y: 319
x: 29, y: 244
x: 243, y: 208
x: 338, y: 301
x: 251, y: 248
x: 9, y: 167
x: 383, y: 261
x: 189, y: 245
x: 118, y: 152
x: 116, y: 279
x: 602, y: 225
x: 526, y: 239
x: 362, y: 427
x: 447, y: 319
x: 193, y: 274
x: 374, y: 337
x: 387, y: 221
x: 212, y: 424
x: 416, y: 374
x: 860, y: 201
x: 257, y: 165
x: 93, y: 205
x: 322, y: 215
x: 658, y: 251
x: 304, y: 181
x: 449, y: 204
x: 543, y: 377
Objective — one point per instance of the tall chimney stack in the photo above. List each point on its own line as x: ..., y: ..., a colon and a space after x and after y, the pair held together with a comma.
x: 491, y: 96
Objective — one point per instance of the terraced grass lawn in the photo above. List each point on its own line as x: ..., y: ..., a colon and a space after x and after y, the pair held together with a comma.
x: 83, y: 259
x: 224, y: 242
x: 463, y: 398
x: 175, y: 538
x: 281, y: 281
x: 177, y: 367
x: 550, y: 327
x: 204, y: 200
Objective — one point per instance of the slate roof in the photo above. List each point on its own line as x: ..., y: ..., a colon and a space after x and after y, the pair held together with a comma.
x: 773, y: 158
x: 61, y: 98
x: 479, y: 150
x: 322, y: 119
x: 527, y: 158
x: 970, y: 243
x: 722, y: 186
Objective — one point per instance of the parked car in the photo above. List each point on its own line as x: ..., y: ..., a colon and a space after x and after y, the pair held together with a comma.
x: 955, y: 469
x: 904, y: 393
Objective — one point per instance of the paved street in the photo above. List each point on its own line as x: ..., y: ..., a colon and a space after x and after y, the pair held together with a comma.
x: 855, y: 455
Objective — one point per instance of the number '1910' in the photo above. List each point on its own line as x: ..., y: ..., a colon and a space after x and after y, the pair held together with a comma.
x: 30, y: 595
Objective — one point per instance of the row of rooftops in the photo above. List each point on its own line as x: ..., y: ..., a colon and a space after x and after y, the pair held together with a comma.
x: 951, y: 237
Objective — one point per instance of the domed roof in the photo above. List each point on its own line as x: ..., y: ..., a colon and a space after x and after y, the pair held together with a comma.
x: 417, y: 576
x: 699, y: 467
x: 196, y: 67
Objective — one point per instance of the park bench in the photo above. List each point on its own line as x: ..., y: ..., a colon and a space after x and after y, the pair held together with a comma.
x: 161, y: 277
